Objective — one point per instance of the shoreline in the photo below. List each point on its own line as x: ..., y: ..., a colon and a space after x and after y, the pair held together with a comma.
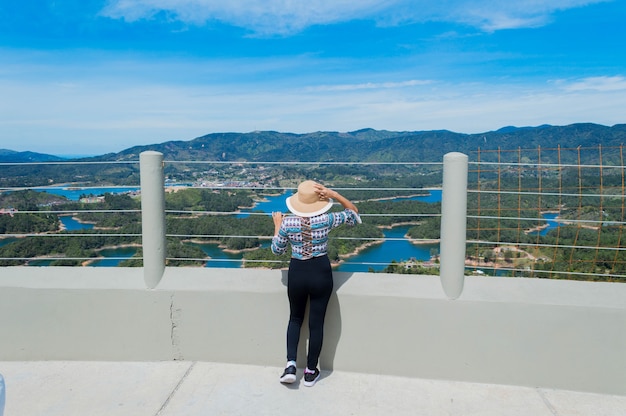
x: 342, y: 257
x: 359, y: 249
x: 62, y: 226
x: 398, y: 224
x: 407, y: 197
x: 406, y: 236
x: 112, y: 247
x: 356, y: 251
x: 221, y: 246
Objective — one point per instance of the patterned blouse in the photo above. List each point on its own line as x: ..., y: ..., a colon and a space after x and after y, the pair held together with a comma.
x: 309, y: 235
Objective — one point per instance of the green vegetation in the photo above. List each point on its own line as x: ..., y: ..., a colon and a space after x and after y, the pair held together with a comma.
x: 188, y: 217
x: 359, y: 146
x: 499, y: 223
x: 410, y: 268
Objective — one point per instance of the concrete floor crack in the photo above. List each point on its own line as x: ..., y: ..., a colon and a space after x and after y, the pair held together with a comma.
x: 547, y: 402
x: 171, y: 395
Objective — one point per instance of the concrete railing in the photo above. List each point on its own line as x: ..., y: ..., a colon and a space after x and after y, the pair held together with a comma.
x: 530, y: 332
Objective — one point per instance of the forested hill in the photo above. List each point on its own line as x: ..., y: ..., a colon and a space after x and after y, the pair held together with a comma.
x: 375, y: 145
x: 10, y: 156
x: 366, y: 145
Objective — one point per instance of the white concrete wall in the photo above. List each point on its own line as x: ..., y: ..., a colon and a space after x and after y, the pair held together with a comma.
x: 532, y: 332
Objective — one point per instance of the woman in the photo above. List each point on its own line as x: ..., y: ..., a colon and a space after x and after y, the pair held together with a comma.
x: 310, y: 275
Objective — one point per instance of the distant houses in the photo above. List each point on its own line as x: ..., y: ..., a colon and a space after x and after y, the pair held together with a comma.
x: 92, y: 199
x: 8, y: 211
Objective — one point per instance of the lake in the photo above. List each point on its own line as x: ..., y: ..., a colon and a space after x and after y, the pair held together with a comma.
x: 376, y: 257
x: 5, y: 241
x: 114, y: 256
x: 277, y: 202
x: 379, y: 256
x: 73, y: 193
x: 550, y: 221
x: 71, y: 224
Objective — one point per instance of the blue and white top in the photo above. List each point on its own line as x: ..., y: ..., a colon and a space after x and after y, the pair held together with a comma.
x: 309, y: 235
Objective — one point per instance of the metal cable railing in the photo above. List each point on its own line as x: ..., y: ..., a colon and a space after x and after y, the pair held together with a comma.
x: 506, y: 206
x: 70, y: 187
x: 83, y: 187
x: 267, y: 238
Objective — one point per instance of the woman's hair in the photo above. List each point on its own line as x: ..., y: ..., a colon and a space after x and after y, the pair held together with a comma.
x: 307, y: 239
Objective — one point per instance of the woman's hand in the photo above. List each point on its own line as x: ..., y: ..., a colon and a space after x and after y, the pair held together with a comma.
x: 323, y: 192
x: 278, y: 220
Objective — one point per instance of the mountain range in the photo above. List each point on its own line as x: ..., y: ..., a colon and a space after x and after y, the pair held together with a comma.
x: 366, y: 145
x: 11, y: 156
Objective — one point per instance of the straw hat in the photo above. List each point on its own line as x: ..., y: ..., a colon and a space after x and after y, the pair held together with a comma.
x: 306, y: 202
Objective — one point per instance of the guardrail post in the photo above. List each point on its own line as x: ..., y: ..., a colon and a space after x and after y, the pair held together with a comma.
x: 453, y: 224
x: 152, y: 216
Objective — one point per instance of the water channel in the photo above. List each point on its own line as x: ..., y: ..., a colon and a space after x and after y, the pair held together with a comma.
x: 375, y: 257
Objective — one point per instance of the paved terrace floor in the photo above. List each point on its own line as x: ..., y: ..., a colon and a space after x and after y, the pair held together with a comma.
x: 62, y: 388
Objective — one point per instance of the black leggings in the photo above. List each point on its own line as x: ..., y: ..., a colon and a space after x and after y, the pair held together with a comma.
x: 312, y: 278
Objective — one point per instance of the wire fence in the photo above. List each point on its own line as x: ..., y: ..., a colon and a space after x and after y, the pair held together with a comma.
x: 228, y: 183
x: 553, y: 213
x: 544, y: 213
x: 373, y: 192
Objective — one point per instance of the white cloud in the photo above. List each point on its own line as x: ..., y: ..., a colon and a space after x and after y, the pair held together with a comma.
x: 370, y: 86
x: 496, y: 15
x: 260, y: 16
x: 607, y: 84
x: 59, y: 118
x: 283, y: 17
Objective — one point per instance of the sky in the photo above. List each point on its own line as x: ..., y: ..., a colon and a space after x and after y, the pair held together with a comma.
x: 88, y: 77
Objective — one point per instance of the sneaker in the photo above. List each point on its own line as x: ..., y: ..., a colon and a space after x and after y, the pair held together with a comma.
x: 311, y: 377
x: 289, y: 375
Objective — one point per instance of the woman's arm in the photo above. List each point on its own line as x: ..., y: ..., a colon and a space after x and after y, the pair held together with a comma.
x: 326, y: 193
x: 278, y: 220
x: 279, y: 243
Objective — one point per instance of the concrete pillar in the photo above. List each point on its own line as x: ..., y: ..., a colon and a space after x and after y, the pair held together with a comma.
x: 453, y: 224
x: 152, y: 216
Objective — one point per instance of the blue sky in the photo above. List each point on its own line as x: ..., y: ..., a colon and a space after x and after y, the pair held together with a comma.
x: 98, y: 76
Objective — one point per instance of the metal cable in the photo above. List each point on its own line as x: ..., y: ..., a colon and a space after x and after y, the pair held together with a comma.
x: 508, y: 243
x: 542, y: 165
x: 475, y: 191
x: 69, y: 235
x: 535, y: 271
x: 234, y: 162
x: 46, y: 258
x: 561, y: 221
x: 478, y: 191
x: 103, y: 162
